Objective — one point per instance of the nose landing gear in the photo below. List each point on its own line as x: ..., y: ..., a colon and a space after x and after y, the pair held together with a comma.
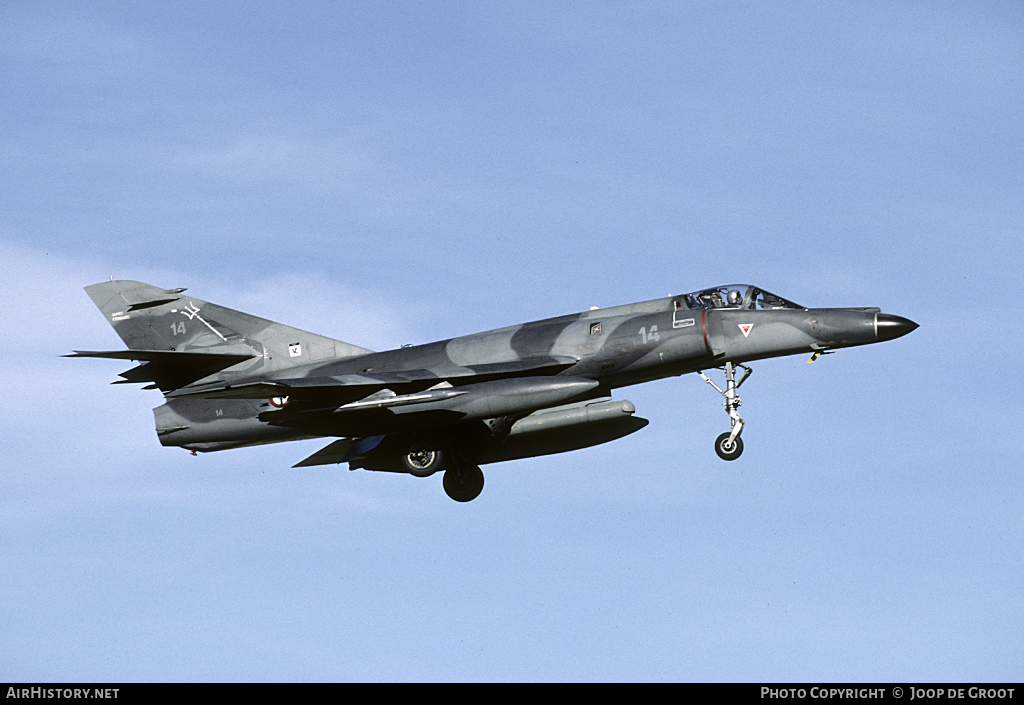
x: 729, y: 445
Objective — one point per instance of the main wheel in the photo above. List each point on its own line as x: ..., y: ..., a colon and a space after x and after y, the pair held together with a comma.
x: 726, y: 450
x: 423, y: 460
x: 464, y: 481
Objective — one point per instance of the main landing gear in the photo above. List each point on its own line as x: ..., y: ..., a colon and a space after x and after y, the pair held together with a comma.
x: 729, y: 445
x: 463, y: 480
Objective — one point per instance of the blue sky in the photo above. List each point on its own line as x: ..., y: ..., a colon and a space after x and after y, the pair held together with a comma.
x: 389, y: 173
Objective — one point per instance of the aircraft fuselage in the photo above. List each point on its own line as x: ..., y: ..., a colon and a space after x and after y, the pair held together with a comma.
x: 232, y: 379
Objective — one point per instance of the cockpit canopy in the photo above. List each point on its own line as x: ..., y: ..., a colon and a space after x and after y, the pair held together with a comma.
x: 735, y: 296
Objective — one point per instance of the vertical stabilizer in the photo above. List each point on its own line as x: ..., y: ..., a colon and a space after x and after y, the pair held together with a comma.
x: 149, y: 318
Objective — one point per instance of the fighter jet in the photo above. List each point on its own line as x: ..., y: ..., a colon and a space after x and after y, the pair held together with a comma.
x: 232, y: 380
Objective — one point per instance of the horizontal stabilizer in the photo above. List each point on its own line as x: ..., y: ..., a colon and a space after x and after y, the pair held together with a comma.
x: 170, y: 369
x: 166, y: 356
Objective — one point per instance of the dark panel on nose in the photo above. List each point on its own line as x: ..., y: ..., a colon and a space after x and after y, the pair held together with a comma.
x: 891, y: 327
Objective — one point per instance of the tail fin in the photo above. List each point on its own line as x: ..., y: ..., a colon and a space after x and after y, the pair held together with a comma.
x: 182, y: 339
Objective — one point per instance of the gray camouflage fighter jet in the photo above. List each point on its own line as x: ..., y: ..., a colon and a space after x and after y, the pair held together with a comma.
x: 232, y: 380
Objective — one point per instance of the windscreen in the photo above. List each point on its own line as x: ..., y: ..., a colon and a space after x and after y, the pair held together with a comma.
x: 737, y: 296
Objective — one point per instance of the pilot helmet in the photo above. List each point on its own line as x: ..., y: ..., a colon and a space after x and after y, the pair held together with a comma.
x: 735, y: 298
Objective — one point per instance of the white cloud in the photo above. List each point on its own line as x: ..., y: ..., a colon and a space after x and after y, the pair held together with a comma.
x: 62, y: 38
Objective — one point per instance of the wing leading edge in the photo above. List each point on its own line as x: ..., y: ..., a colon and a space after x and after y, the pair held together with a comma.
x: 354, y: 387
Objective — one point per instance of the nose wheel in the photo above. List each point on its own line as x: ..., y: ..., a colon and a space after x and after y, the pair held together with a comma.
x: 729, y: 445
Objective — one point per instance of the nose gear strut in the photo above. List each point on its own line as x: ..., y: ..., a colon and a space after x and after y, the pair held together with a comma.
x: 729, y: 445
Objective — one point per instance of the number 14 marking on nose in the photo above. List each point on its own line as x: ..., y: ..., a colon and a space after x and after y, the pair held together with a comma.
x: 648, y: 335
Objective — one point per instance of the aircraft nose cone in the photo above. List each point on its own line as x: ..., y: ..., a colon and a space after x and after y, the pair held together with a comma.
x: 890, y: 327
